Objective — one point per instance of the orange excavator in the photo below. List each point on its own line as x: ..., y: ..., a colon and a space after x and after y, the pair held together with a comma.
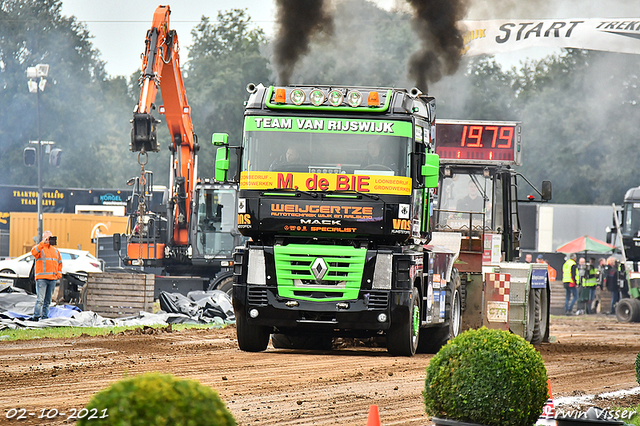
x: 197, y: 233
x: 161, y: 70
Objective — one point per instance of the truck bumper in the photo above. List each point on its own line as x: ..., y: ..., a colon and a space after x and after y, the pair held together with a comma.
x: 372, y: 312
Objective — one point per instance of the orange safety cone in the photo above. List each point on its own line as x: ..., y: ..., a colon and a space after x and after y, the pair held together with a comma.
x: 374, y: 416
x: 548, y: 416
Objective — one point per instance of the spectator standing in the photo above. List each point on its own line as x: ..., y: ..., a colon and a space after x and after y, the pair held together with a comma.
x: 550, y: 270
x: 611, y: 282
x: 602, y: 265
x: 48, y: 269
x: 582, y: 267
x: 589, y: 284
x: 528, y: 258
x: 570, y: 279
x: 583, y: 292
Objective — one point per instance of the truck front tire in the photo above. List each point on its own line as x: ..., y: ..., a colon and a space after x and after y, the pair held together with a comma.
x: 402, y: 337
x: 251, y: 338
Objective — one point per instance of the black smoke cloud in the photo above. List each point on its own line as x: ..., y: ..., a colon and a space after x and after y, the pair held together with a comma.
x: 297, y: 22
x: 435, y: 22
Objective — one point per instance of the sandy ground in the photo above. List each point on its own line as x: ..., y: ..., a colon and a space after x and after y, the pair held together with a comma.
x: 589, y: 355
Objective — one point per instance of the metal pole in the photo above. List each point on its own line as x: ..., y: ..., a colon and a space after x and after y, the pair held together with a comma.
x: 39, y: 152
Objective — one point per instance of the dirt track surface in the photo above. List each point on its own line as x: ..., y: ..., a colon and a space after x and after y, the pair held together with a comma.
x: 283, y: 387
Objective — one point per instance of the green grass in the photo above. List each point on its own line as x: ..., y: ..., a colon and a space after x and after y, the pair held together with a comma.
x: 635, y: 420
x: 67, y: 332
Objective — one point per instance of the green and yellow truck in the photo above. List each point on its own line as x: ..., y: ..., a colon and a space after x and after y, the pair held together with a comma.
x: 336, y: 191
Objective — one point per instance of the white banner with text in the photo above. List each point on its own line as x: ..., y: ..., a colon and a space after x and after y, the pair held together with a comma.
x: 498, y: 36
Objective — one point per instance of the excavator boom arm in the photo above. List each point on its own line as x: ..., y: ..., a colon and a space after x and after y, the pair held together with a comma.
x: 161, y: 70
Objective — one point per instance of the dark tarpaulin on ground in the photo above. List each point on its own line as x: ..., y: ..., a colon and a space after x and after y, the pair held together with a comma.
x: 211, y: 307
x: 198, y: 304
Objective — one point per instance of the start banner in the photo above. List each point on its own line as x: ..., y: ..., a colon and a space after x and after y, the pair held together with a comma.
x: 373, y: 184
x: 498, y: 36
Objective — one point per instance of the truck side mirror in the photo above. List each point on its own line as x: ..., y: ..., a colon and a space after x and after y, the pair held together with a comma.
x: 222, y: 164
x: 546, y: 190
x: 220, y: 139
x: 222, y: 156
x: 430, y: 170
x: 116, y: 242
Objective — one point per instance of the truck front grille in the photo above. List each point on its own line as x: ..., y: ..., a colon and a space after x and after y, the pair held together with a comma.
x: 332, y: 270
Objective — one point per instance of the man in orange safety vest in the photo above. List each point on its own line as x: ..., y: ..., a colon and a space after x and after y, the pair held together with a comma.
x: 48, y: 270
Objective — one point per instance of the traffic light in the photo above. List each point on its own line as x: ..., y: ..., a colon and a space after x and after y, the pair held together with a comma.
x: 29, y: 156
x: 55, y: 156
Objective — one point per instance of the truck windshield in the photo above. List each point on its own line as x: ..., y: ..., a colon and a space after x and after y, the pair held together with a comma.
x: 466, y: 198
x: 216, y: 209
x: 631, y: 219
x: 309, y: 152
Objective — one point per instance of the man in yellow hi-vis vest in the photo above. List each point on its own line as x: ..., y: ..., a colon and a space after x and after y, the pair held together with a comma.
x: 570, y: 281
x: 48, y: 270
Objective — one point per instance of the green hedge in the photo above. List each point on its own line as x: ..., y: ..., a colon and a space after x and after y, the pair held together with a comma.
x: 155, y: 399
x: 490, y: 377
x: 638, y: 368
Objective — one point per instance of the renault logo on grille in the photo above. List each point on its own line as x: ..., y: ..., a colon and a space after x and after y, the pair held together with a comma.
x: 319, y: 268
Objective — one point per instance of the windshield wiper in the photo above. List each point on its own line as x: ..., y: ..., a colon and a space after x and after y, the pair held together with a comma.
x: 372, y: 196
x: 290, y: 191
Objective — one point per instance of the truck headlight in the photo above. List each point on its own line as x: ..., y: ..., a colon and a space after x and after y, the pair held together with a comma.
x: 335, y: 98
x: 256, y: 269
x: 316, y: 97
x: 382, y: 273
x: 297, y: 96
x: 354, y: 98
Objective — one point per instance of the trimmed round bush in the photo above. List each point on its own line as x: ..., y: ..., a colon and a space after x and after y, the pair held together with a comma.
x: 490, y: 377
x: 155, y: 399
x: 638, y: 368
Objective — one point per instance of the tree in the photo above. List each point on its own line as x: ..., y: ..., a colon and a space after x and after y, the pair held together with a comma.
x: 75, y: 110
x: 579, y: 114
x: 580, y: 124
x: 481, y: 90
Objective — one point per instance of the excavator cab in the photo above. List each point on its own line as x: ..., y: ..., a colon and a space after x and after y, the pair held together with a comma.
x: 215, y: 221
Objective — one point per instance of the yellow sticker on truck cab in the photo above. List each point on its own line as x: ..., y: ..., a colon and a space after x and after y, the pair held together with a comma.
x: 372, y: 184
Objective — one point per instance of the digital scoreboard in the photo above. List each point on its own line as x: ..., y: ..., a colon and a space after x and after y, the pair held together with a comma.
x: 484, y: 142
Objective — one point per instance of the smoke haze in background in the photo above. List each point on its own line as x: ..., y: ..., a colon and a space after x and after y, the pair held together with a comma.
x: 297, y: 22
x: 435, y: 22
x: 368, y: 47
x: 552, y: 9
x: 511, y: 9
